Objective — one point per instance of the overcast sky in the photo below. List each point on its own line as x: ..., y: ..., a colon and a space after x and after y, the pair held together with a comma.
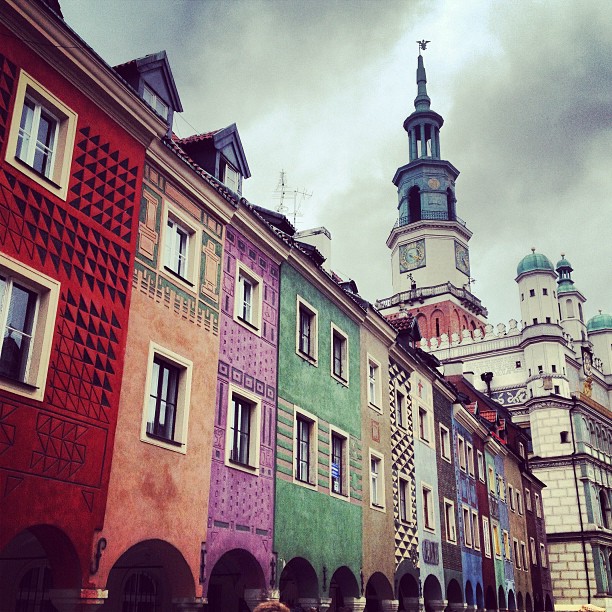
x: 320, y: 88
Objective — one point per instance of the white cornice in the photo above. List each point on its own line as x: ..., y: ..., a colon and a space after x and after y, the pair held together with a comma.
x: 65, y: 51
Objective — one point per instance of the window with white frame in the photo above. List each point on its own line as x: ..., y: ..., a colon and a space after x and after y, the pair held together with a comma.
x: 501, y: 487
x: 374, y: 383
x: 445, y: 443
x: 511, y: 498
x: 524, y: 556
x: 507, y: 552
x: 400, y: 409
x: 538, y: 505
x: 543, y: 555
x: 339, y: 463
x: 339, y: 355
x: 449, y: 521
x: 429, y: 517
x: 534, y: 554
x: 522, y: 449
x: 247, y: 308
x: 481, y: 468
x: 519, y: 501
x: 305, y: 447
x: 424, y: 424
x: 243, y: 431
x: 467, y: 527
x: 405, y: 505
x: 486, y: 534
x: 461, y: 453
x: 41, y: 137
x: 517, y: 553
x: 470, y: 458
x: 155, y: 102
x: 28, y: 307
x: 491, y: 472
x: 496, y: 540
x: 166, y: 413
x: 377, y: 481
x: 230, y: 176
x: 476, y: 529
x: 180, y: 247
x: 306, y: 341
x: 528, y: 500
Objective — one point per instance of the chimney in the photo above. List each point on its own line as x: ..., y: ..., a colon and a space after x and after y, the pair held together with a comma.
x: 320, y: 238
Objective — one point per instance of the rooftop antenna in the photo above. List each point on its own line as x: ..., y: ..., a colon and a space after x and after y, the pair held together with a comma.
x: 285, y: 194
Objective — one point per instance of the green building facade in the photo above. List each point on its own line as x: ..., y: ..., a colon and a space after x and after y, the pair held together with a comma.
x: 319, y: 456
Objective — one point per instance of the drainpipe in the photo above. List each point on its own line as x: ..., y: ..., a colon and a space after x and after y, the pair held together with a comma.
x: 584, y: 553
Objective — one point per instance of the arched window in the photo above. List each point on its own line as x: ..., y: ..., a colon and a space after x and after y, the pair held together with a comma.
x: 33, y: 591
x: 592, y: 435
x: 438, y: 323
x: 569, y: 306
x: 450, y: 204
x: 604, y: 505
x: 580, y: 311
x: 414, y: 204
x: 604, y: 571
x: 140, y: 594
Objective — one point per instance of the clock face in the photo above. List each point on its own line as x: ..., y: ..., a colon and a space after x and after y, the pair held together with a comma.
x: 462, y: 258
x: 412, y: 256
x: 434, y: 183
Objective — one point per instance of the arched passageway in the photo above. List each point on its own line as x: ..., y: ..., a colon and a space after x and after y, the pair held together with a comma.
x: 148, y: 576
x: 408, y: 592
x: 343, y: 585
x: 378, y: 589
x: 34, y: 564
x: 298, y: 581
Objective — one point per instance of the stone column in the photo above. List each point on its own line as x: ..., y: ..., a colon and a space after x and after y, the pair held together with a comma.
x: 356, y: 604
x: 324, y: 603
x: 413, y: 604
x: 188, y: 604
x: 437, y: 605
x: 389, y: 605
x: 78, y: 600
x: 423, y: 141
x: 308, y: 602
x: 253, y: 597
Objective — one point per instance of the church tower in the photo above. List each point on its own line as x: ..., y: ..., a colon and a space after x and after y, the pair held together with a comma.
x: 429, y: 242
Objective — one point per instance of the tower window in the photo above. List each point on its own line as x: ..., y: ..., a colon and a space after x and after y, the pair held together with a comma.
x: 535, y: 321
x: 518, y: 364
x: 544, y: 291
x: 532, y: 293
x: 437, y: 326
x: 548, y: 319
x: 553, y: 367
x: 522, y: 297
x: 557, y: 390
x: 564, y: 435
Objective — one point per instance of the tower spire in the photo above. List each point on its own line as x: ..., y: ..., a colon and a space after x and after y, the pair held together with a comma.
x: 422, y: 101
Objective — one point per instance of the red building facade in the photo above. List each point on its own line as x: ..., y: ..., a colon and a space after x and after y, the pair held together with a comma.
x: 70, y: 181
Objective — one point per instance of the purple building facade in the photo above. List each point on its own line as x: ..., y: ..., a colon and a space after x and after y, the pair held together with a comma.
x: 238, y: 560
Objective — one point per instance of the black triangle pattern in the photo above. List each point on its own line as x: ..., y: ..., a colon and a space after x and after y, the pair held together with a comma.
x: 8, y: 73
x: 101, y: 188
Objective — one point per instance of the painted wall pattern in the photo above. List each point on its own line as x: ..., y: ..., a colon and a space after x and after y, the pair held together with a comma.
x: 85, y: 243
x: 402, y: 462
x: 201, y: 306
x: 241, y: 505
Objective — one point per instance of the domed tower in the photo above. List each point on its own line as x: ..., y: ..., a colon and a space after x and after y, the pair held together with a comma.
x: 536, y: 278
x: 429, y: 242
x: 599, y: 329
x: 542, y: 336
x: 570, y: 302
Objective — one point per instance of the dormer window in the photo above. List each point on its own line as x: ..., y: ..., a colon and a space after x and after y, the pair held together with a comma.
x: 153, y: 100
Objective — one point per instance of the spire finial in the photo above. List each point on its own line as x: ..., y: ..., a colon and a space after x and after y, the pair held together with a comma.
x: 422, y: 45
x: 562, y: 255
x: 533, y: 249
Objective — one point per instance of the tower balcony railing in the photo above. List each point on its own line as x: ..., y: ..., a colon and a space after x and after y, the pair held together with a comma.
x: 413, y: 295
x: 430, y: 215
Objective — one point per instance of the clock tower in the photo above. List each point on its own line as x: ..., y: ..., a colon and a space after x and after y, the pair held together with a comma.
x: 429, y: 242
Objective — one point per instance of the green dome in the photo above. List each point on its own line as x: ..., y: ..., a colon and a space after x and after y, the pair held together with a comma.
x: 534, y: 261
x: 600, y: 322
x: 563, y: 263
x: 566, y: 286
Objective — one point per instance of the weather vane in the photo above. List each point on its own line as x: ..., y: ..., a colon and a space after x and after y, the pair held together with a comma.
x: 422, y: 44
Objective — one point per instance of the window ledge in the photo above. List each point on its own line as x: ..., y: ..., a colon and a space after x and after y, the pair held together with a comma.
x: 306, y: 357
x: 377, y: 507
x: 165, y: 440
x: 18, y: 383
x: 247, y: 324
x: 178, y: 276
x: 339, y: 379
x: 40, y: 175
